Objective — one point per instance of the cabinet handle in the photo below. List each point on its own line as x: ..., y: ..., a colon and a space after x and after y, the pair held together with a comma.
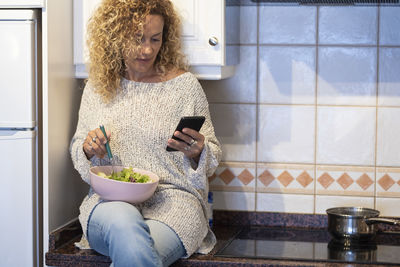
x: 213, y: 41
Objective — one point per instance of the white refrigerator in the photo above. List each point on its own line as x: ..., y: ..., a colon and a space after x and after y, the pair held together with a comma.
x: 19, y: 222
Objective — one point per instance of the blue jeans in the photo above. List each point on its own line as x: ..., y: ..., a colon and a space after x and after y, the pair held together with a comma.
x: 118, y: 230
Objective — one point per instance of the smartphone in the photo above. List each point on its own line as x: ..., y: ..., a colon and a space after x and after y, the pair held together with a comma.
x: 192, y: 122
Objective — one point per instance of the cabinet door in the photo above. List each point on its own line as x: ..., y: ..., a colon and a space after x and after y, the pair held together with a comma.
x: 202, y: 20
x: 17, y: 198
x: 17, y: 68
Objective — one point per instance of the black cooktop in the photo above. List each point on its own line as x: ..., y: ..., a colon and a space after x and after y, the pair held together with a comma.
x: 310, y: 245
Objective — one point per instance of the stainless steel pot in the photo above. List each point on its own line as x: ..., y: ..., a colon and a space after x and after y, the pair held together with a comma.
x: 354, y: 223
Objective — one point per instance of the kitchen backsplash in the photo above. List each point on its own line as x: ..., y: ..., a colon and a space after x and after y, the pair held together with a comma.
x: 311, y: 119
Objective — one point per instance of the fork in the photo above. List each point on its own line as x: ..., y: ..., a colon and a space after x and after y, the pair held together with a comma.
x: 110, y: 155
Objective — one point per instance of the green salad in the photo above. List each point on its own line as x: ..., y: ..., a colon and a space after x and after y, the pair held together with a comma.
x: 127, y: 175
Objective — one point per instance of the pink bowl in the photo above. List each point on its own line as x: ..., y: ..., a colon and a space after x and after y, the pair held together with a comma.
x: 110, y: 189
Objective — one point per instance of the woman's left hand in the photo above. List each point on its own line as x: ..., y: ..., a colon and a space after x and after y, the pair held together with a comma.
x: 192, y: 145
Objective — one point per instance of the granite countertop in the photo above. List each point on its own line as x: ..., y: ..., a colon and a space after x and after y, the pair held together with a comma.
x: 62, y: 251
x: 66, y: 254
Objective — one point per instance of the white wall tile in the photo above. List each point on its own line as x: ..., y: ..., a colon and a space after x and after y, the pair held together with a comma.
x: 286, y: 134
x: 389, y: 25
x: 242, y: 87
x: 235, y: 127
x: 347, y: 76
x: 233, y: 24
x: 248, y: 25
x: 287, y: 25
x: 322, y: 203
x: 287, y: 75
x: 388, y: 141
x: 346, y: 135
x: 389, y: 76
x: 234, y: 201
x: 347, y: 25
x: 388, y: 206
x: 285, y: 203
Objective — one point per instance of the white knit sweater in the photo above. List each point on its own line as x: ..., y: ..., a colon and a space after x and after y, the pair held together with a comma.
x: 141, y: 118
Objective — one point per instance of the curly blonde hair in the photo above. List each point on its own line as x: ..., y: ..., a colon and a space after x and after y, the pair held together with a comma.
x: 115, y: 26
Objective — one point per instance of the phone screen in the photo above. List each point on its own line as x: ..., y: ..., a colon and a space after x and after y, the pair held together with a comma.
x: 192, y: 122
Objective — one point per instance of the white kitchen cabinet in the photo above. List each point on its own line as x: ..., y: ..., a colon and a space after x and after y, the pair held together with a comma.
x: 203, y: 34
x: 22, y: 4
x: 204, y: 38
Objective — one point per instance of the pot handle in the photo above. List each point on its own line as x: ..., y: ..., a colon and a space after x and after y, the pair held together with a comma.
x: 382, y: 220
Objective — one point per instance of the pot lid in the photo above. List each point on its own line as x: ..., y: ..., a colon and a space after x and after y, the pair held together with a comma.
x: 355, y: 212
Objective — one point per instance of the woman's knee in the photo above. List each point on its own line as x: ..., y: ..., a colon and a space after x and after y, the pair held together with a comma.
x: 119, y: 218
x: 112, y: 209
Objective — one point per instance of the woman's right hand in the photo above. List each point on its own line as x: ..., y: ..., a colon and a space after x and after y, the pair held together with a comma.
x: 95, y: 143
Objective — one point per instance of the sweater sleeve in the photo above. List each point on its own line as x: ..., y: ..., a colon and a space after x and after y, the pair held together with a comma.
x: 81, y: 163
x: 211, y: 154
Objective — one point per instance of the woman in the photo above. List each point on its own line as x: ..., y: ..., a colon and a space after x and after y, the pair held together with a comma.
x: 139, y: 88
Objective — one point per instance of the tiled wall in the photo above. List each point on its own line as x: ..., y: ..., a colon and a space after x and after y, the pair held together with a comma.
x: 311, y: 120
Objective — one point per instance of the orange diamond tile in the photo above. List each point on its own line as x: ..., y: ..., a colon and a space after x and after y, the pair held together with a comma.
x: 364, y: 181
x: 226, y: 176
x: 325, y: 180
x: 212, y: 177
x: 345, y: 180
x: 285, y: 178
x: 245, y: 177
x: 266, y: 177
x: 304, y: 179
x: 386, y: 182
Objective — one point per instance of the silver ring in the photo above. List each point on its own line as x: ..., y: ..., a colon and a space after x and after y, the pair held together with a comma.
x: 94, y: 139
x: 187, y: 148
x: 192, y: 142
x: 90, y: 143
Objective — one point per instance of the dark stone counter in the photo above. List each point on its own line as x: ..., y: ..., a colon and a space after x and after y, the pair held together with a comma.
x: 62, y: 251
